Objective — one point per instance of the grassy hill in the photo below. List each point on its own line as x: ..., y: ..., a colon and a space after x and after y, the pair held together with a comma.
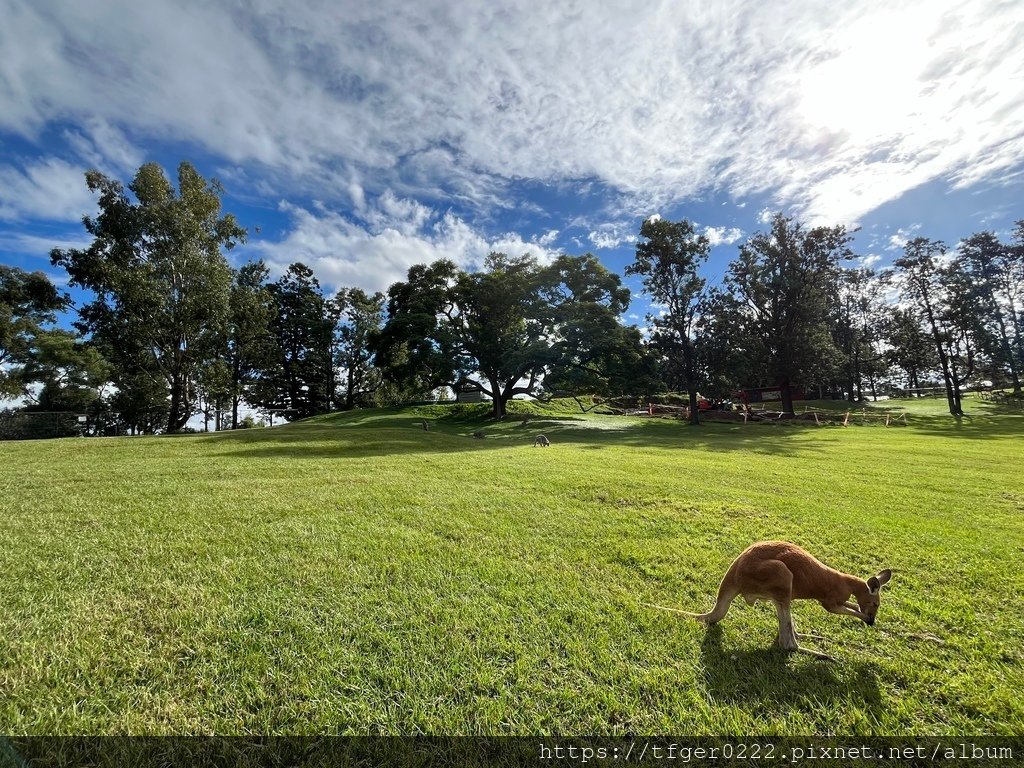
x: 357, y: 573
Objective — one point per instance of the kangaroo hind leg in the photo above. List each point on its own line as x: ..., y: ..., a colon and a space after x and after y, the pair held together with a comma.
x: 727, y: 592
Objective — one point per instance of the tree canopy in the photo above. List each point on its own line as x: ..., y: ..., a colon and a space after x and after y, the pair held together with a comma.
x: 28, y: 302
x: 160, y: 280
x: 514, y: 327
x: 669, y: 256
x: 781, y: 285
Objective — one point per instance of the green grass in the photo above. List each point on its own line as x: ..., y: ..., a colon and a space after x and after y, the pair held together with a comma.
x: 356, y: 573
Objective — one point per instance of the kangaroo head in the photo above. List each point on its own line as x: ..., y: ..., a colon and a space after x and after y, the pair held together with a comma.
x: 868, y: 601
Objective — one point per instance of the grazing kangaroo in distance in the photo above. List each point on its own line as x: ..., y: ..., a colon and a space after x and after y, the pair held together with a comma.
x: 782, y: 572
x: 542, y: 441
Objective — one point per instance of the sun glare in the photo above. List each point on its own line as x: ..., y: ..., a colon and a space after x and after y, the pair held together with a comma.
x: 870, y: 86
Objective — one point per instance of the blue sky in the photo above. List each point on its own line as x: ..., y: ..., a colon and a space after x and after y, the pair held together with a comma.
x: 362, y: 138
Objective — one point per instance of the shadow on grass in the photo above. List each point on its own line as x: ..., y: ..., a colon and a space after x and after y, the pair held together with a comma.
x: 771, y: 675
x: 972, y: 426
x: 391, y: 432
x: 406, y: 436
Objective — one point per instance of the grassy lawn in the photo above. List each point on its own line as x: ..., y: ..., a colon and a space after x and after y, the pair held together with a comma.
x: 356, y: 573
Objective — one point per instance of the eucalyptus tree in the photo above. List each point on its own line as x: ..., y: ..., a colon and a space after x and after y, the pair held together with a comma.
x: 28, y: 303
x: 160, y: 281
x: 250, y: 344
x: 995, y: 286
x: 592, y: 352
x: 668, y: 258
x: 926, y: 286
x: 908, y: 347
x: 360, y: 316
x: 859, y: 310
x: 299, y: 376
x: 781, y: 286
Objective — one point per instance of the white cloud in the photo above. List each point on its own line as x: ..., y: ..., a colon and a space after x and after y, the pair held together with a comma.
x: 548, y: 237
x: 829, y: 110
x: 723, y: 235
x: 611, y: 235
x: 401, y: 233
x: 41, y: 245
x: 104, y: 147
x: 901, y: 236
x: 46, y: 189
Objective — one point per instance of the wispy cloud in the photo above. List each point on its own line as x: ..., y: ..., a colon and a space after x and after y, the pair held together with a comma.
x: 828, y: 110
x: 51, y: 189
x: 41, y: 245
x: 611, y: 235
x: 901, y: 236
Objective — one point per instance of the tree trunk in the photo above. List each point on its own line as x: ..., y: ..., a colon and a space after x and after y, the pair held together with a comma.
x: 1011, y: 359
x: 952, y: 400
x: 857, y: 375
x: 694, y: 407
x: 787, y: 396
x: 498, y: 399
x: 689, y: 367
x: 350, y: 389
x: 172, y: 415
x: 1015, y: 320
x: 498, y: 407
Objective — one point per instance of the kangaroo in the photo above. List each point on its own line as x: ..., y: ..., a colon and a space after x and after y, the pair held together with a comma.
x: 542, y: 441
x: 782, y: 572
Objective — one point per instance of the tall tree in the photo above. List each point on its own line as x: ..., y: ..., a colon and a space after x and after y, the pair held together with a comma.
x: 995, y: 287
x: 250, y: 344
x: 28, y: 302
x: 781, y: 284
x: 361, y: 316
x: 591, y: 352
x: 926, y: 286
x: 301, y: 378
x: 668, y: 257
x: 909, y: 348
x: 859, y: 314
x: 500, y: 326
x: 419, y: 347
x: 160, y: 280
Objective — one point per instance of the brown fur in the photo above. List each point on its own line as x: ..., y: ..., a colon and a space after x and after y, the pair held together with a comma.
x: 782, y: 572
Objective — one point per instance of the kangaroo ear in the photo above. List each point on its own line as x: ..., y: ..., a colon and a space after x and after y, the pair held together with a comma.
x: 879, y: 580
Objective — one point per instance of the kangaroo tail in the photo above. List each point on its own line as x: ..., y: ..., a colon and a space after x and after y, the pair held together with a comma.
x: 674, y: 610
x: 715, y: 614
x: 726, y: 594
